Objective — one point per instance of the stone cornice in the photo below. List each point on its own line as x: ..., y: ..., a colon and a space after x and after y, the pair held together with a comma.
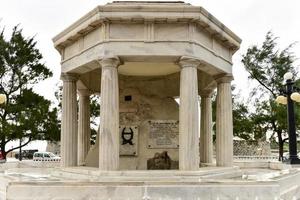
x: 143, y: 12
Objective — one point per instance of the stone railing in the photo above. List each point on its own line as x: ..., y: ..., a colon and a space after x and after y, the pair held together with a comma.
x: 29, y: 164
x: 45, y: 163
x: 261, y: 158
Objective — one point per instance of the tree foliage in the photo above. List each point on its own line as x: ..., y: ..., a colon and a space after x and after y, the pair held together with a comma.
x: 94, y: 112
x: 26, y: 114
x: 267, y: 64
x: 242, y: 123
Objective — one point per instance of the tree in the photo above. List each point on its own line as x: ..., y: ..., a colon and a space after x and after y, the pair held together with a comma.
x: 94, y: 112
x: 242, y: 118
x: 26, y: 114
x: 266, y: 65
x: 242, y: 121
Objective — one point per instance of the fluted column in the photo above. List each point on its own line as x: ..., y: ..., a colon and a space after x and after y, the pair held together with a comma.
x: 69, y: 121
x: 84, y: 130
x: 188, y: 115
x: 109, y: 115
x: 206, y: 136
x: 224, y: 126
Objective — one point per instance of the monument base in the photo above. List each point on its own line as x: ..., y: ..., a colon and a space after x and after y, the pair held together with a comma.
x: 90, y: 183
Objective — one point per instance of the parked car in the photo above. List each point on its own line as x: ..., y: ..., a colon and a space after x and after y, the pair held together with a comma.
x: 45, y: 156
x: 286, y: 156
x: 2, y: 160
x: 26, y: 154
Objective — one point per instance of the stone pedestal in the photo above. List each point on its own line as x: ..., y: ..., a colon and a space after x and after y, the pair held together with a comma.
x: 188, y: 115
x: 84, y: 130
x: 69, y: 121
x: 109, y: 115
x: 224, y: 126
x: 206, y: 138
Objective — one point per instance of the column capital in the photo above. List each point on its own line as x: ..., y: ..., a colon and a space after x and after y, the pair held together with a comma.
x: 223, y: 78
x: 111, y: 61
x: 186, y: 61
x: 68, y: 77
x: 206, y: 93
x: 84, y: 92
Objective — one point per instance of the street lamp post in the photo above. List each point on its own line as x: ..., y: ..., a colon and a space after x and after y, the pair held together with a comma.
x: 2, y: 102
x: 289, y: 98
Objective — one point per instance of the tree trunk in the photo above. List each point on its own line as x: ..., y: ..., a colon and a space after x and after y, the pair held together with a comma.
x: 280, y: 145
x: 2, y: 147
x: 18, y: 147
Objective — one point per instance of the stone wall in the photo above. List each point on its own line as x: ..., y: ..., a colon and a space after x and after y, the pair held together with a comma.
x: 143, y: 99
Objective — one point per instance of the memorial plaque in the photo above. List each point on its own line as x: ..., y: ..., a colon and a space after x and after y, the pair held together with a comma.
x: 163, y: 134
x: 128, y: 140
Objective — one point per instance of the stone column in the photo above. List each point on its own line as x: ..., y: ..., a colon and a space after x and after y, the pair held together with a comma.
x: 69, y: 121
x: 224, y: 126
x: 109, y: 115
x: 206, y: 136
x: 84, y: 129
x: 188, y: 115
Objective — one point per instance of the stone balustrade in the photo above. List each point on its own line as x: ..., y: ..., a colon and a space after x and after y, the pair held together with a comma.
x: 264, y: 158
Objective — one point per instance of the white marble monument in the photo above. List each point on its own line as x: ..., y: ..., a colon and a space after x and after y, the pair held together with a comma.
x: 140, y: 56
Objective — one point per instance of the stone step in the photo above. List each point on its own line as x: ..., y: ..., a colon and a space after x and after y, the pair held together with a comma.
x: 153, y: 175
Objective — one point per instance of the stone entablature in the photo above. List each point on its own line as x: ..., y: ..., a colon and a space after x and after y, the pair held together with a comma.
x: 150, y: 31
x: 137, y: 12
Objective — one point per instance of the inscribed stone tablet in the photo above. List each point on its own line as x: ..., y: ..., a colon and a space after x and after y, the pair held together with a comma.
x: 163, y: 134
x: 128, y: 140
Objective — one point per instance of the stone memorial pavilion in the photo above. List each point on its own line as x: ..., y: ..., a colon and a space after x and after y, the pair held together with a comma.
x: 139, y: 57
x: 150, y: 64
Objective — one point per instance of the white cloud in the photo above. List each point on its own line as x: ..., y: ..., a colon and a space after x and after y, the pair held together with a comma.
x: 250, y: 19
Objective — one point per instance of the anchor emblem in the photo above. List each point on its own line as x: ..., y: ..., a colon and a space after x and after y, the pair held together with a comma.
x: 127, y: 136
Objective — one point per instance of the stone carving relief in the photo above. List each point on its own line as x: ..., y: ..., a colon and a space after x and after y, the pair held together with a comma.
x: 128, y: 140
x: 161, y: 161
x: 136, y: 114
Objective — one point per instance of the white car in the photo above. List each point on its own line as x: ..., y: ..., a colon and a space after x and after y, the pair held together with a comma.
x: 286, y: 156
x: 45, y: 156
